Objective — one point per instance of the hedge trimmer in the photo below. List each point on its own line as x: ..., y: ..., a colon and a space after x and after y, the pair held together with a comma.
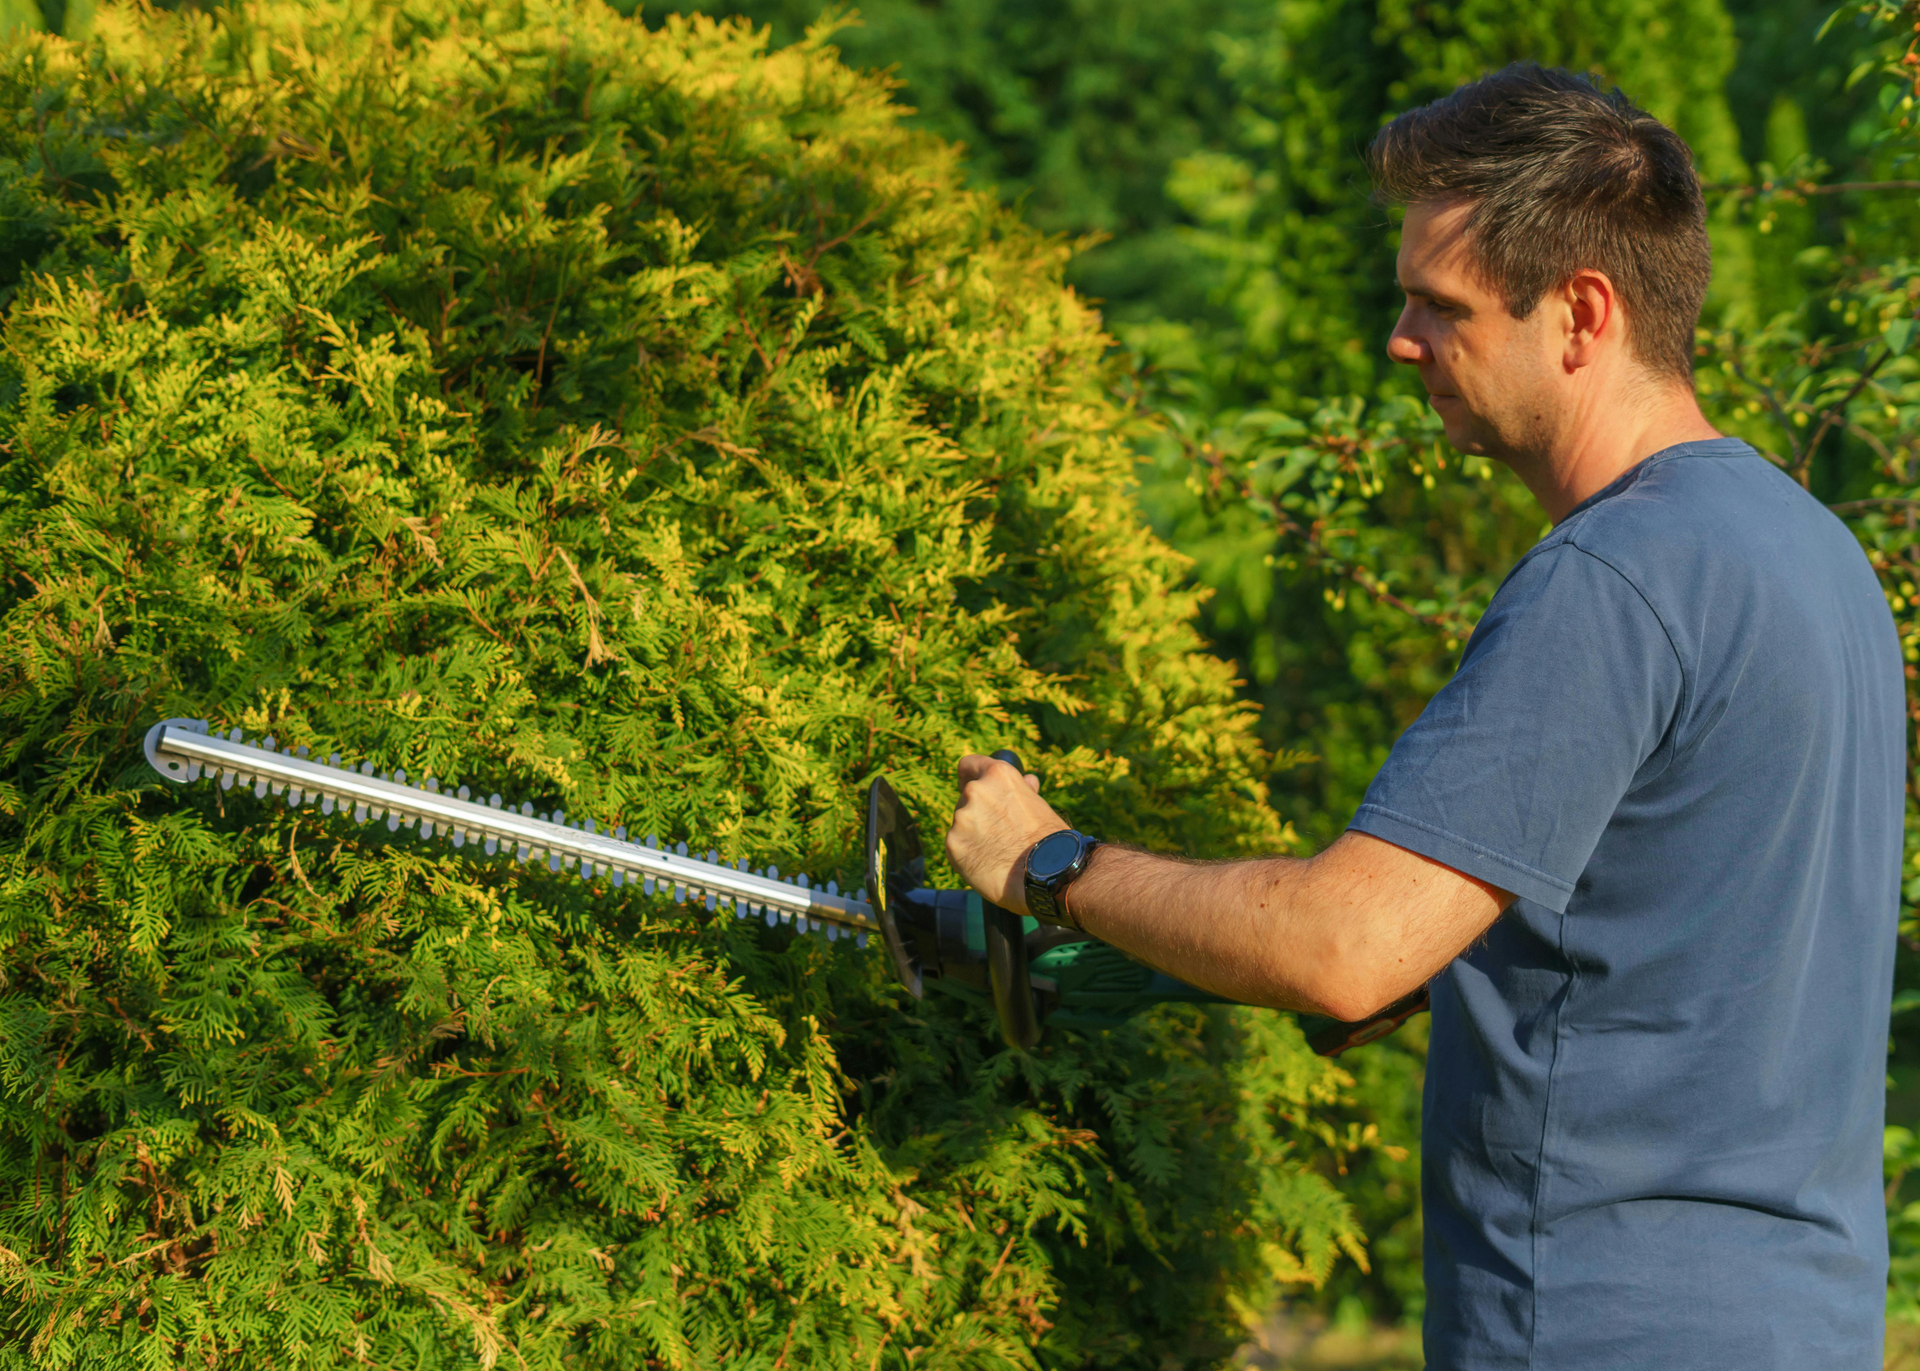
x: 950, y: 939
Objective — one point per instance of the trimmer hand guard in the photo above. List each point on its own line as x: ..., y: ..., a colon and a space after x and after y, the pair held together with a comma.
x: 895, y: 870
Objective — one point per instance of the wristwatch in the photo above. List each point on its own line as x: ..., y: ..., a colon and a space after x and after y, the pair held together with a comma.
x: 1053, y: 864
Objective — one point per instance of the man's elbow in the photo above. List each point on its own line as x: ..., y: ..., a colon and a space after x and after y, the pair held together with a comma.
x: 1350, y: 987
x: 1348, y: 1004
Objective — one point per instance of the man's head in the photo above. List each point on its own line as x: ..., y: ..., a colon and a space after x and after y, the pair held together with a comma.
x: 1554, y: 248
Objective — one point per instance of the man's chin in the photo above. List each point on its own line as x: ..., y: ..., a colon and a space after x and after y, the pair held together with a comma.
x: 1462, y: 432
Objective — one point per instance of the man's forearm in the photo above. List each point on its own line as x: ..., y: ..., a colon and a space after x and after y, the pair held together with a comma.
x: 1345, y: 933
x: 1272, y: 931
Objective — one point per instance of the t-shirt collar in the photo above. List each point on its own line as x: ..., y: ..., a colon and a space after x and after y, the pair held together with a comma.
x: 1699, y: 447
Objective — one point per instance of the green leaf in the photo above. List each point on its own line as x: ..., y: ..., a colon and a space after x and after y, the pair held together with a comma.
x: 1899, y: 334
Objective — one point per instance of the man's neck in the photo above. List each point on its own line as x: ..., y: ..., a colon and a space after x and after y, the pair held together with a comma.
x: 1596, y: 448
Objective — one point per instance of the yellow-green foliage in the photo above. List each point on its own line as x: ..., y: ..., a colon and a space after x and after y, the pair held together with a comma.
x: 646, y: 425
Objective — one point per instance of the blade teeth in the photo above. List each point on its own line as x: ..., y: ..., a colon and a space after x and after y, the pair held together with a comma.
x: 683, y: 892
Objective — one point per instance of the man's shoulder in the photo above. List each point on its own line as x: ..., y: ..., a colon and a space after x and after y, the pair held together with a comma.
x: 1714, y: 519
x: 1736, y: 561
x: 1719, y: 497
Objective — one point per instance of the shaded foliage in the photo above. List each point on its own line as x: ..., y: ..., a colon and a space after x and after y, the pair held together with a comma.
x: 1077, y: 111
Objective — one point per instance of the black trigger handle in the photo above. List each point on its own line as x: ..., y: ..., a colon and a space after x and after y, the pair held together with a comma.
x: 1007, y: 961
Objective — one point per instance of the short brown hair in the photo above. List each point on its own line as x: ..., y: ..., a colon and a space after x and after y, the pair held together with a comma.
x: 1562, y: 176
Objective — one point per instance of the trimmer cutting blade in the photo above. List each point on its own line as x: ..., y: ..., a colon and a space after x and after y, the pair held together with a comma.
x: 183, y: 750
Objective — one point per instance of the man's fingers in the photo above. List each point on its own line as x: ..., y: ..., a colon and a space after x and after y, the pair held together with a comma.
x: 1033, y: 781
x: 974, y: 767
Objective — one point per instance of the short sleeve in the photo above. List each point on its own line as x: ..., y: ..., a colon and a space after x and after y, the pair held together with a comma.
x: 1567, y: 693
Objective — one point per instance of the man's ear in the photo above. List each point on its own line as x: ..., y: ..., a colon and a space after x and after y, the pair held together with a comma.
x: 1595, y: 322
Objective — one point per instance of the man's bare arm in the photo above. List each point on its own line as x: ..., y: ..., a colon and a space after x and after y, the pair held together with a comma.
x: 1345, y: 933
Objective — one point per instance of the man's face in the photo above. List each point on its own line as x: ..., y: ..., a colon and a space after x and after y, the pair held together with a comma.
x: 1489, y: 375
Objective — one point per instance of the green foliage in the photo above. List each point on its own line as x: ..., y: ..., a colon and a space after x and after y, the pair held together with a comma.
x: 1283, y: 210
x: 646, y: 422
x: 1076, y: 110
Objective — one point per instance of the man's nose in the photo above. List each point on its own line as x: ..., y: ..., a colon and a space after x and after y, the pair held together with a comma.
x: 1403, y: 345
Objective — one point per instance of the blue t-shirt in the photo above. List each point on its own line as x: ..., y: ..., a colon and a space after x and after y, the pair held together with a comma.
x: 1655, y: 1089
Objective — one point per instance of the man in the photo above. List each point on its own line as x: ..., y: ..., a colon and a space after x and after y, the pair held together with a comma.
x: 1644, y: 847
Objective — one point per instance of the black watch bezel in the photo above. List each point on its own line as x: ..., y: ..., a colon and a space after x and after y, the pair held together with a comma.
x: 1044, y: 891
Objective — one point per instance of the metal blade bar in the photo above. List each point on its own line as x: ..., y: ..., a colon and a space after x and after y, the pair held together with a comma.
x: 180, y: 749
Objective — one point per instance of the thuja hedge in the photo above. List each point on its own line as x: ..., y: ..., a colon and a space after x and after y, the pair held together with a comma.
x: 649, y: 425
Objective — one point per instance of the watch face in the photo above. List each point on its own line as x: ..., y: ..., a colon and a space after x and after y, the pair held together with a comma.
x: 1054, y: 855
